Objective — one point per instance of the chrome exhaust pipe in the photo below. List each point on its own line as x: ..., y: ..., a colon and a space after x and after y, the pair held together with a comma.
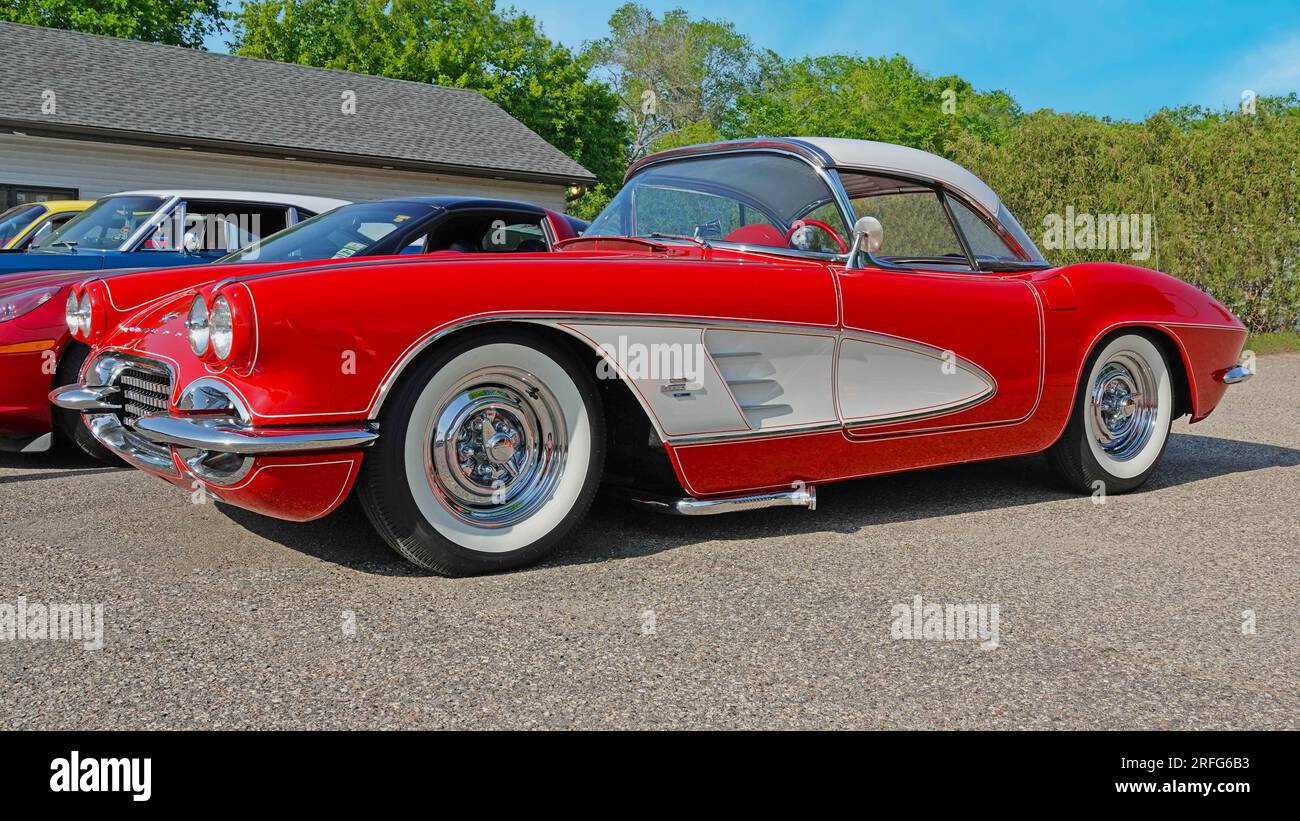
x: 690, y: 506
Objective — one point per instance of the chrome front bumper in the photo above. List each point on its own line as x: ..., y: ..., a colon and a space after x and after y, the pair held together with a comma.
x: 1237, y: 375
x: 215, y: 444
x: 225, y: 434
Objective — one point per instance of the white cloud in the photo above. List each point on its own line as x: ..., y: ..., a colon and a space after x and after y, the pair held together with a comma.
x: 1272, y: 68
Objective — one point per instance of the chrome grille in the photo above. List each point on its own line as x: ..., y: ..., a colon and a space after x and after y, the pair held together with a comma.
x: 145, y: 389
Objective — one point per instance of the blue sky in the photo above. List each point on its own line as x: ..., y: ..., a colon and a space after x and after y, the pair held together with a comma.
x: 1109, y: 58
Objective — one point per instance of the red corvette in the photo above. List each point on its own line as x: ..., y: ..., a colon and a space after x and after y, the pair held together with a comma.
x: 744, y: 322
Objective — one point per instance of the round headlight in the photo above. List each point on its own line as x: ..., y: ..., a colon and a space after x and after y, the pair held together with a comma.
x: 70, y: 313
x: 222, y: 328
x: 196, y: 324
x: 83, y: 315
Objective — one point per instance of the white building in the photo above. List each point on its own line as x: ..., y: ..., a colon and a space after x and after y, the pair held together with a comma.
x: 82, y: 116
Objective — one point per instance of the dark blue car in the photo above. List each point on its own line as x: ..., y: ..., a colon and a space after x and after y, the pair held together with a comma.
x: 158, y: 229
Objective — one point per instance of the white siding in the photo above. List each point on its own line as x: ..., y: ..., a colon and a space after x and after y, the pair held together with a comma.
x: 96, y: 169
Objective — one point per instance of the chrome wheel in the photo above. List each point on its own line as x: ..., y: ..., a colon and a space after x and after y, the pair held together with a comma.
x: 495, y: 450
x: 1124, y: 405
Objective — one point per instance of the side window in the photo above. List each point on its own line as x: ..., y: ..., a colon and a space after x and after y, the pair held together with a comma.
x: 984, y: 241
x: 917, y: 228
x: 503, y: 238
x: 479, y: 233
x: 48, y: 227
x: 218, y: 227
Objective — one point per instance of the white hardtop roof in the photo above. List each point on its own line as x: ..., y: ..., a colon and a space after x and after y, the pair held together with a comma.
x: 904, y: 160
x: 318, y: 205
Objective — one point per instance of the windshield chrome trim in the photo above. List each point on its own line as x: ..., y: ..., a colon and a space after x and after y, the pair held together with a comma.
x: 828, y: 177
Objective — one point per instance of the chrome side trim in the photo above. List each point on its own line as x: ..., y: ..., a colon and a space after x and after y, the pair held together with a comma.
x: 561, y: 321
x: 1237, y: 375
x: 224, y: 434
x: 558, y: 321
x: 690, y: 506
x: 753, y: 435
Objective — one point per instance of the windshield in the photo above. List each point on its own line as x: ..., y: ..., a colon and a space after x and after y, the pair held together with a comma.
x: 14, y: 221
x: 745, y: 198
x: 105, y: 225
x: 347, y: 231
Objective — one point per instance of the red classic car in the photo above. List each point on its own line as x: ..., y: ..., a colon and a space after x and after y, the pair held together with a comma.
x: 745, y: 321
x: 37, y: 352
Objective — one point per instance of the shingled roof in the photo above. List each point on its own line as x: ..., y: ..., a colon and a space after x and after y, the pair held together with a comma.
x: 153, y: 94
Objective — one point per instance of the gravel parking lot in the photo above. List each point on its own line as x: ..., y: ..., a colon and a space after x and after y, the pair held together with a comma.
x: 1131, y: 613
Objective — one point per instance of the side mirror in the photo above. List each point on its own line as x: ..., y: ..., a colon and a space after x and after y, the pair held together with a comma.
x: 193, y: 241
x: 869, y: 236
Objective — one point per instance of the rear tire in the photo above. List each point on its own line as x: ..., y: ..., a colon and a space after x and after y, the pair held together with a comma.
x: 68, y: 422
x: 490, y: 452
x: 1119, y: 426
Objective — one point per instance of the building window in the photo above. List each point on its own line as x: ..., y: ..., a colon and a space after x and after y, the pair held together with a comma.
x: 11, y: 195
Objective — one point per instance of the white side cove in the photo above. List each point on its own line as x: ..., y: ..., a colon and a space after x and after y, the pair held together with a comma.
x: 668, y: 367
x: 886, y: 379
x: 779, y: 380
x: 719, y: 382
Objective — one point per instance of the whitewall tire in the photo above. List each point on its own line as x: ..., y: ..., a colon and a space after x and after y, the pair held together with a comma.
x: 1119, y: 425
x: 490, y: 452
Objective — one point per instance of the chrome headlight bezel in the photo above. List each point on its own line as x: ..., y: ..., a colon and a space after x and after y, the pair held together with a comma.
x: 221, y: 328
x: 83, y: 315
x: 70, y: 312
x: 198, y: 326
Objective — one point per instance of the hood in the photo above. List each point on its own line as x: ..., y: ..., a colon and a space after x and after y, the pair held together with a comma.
x: 50, y: 261
x: 30, y: 280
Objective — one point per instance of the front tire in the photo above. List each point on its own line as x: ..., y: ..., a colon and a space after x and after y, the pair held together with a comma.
x: 68, y: 422
x: 490, y: 453
x: 1120, y: 423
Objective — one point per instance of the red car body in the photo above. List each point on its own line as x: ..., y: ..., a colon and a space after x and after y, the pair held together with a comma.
x: 324, y: 346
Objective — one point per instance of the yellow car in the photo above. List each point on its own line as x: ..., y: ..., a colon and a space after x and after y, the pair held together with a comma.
x: 22, y: 224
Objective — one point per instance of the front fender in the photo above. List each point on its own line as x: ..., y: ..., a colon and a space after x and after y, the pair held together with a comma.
x: 1110, y: 297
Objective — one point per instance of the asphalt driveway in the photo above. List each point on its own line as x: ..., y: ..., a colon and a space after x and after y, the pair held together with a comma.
x: 1175, y: 607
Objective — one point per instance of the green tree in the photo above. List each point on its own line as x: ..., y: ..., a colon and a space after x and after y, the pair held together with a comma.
x: 676, y: 78
x: 174, y: 22
x: 460, y: 43
x: 869, y: 98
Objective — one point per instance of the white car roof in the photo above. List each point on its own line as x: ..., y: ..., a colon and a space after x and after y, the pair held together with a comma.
x: 899, y: 158
x: 318, y: 205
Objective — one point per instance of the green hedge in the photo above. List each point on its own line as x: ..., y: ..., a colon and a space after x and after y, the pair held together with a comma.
x: 1223, y: 191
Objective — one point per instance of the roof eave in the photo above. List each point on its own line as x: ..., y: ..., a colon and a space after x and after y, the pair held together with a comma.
x: 38, y: 128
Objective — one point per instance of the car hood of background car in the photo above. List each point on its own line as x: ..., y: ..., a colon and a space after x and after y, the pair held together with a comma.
x: 31, y: 280
x: 20, y: 261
